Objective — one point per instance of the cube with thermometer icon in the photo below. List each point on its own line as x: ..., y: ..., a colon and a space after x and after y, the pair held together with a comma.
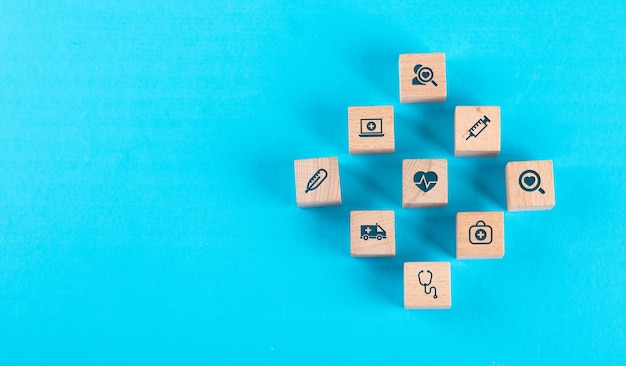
x: 476, y: 131
x: 317, y: 182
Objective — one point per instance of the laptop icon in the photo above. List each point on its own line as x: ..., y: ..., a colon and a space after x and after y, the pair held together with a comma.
x: 371, y: 127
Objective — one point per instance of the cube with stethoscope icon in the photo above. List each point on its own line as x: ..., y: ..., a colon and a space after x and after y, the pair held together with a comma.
x: 427, y: 285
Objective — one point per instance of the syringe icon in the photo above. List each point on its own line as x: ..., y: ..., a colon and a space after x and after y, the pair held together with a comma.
x: 478, y: 127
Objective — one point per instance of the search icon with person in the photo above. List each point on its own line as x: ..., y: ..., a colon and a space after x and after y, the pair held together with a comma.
x: 530, y: 181
x: 424, y: 75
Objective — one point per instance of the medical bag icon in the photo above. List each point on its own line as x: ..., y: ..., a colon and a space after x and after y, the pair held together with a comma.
x: 480, y: 233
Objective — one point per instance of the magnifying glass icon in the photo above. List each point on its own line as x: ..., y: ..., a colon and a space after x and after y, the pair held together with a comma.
x: 424, y: 75
x: 530, y: 181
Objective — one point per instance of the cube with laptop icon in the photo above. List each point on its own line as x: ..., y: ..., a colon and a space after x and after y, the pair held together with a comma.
x: 371, y: 127
x: 370, y: 130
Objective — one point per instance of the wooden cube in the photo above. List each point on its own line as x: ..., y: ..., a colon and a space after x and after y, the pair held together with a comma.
x: 370, y: 130
x: 372, y: 233
x: 422, y: 77
x: 479, y: 235
x: 529, y: 185
x: 424, y: 183
x: 476, y: 131
x: 317, y: 182
x: 427, y: 285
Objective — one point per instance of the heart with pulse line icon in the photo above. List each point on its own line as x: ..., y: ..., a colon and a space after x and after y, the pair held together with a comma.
x: 425, y: 180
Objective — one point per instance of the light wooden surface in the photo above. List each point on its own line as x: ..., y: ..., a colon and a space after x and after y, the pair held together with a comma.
x: 479, y: 235
x: 419, y: 87
x: 365, y: 127
x: 518, y: 198
x: 373, y: 242
x: 423, y: 193
x: 418, y: 296
x: 476, y: 131
x: 322, y: 174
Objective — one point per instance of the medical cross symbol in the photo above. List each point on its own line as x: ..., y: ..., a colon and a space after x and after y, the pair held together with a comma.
x: 368, y: 230
x: 480, y: 234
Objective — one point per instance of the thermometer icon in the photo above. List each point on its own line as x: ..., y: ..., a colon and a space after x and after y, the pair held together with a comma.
x: 316, y: 180
x: 478, y: 127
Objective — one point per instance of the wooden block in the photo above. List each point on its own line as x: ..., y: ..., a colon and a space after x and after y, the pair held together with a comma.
x: 372, y: 233
x: 370, y: 130
x: 529, y: 185
x: 422, y: 77
x: 479, y: 235
x: 476, y: 131
x: 427, y: 285
x: 317, y: 182
x: 424, y: 183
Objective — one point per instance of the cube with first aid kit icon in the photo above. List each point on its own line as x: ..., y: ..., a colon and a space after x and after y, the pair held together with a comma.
x: 427, y: 285
x: 317, y: 182
x: 529, y: 185
x: 479, y: 235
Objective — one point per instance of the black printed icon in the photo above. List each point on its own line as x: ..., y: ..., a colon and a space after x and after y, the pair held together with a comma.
x: 427, y: 290
x: 371, y: 127
x: 478, y: 127
x: 425, y: 180
x: 373, y: 231
x: 480, y: 233
x: 424, y: 75
x: 530, y: 181
x: 315, y: 180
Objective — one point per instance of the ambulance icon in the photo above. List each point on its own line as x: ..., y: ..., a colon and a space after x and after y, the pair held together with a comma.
x: 373, y: 231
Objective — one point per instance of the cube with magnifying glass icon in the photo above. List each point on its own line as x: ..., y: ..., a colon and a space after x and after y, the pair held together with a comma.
x: 422, y: 77
x: 529, y: 185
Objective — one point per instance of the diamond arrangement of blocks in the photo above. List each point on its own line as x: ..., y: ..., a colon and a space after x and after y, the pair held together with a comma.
x: 479, y: 235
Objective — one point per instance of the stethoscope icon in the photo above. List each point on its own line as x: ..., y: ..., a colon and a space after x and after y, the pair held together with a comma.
x: 427, y: 290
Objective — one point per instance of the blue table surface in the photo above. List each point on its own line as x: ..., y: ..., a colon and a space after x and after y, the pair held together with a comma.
x: 147, y: 201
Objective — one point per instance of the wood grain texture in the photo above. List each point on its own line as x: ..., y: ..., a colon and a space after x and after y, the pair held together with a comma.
x: 472, y: 243
x: 373, y: 243
x: 519, y: 199
x: 418, y: 296
x: 412, y: 195
x: 328, y: 192
x: 361, y: 140
x: 487, y: 125
x: 422, y: 89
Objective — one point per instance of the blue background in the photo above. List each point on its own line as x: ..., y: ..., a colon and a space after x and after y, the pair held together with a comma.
x: 147, y: 204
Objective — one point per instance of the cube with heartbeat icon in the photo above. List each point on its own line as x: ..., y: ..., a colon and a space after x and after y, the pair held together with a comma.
x: 424, y: 183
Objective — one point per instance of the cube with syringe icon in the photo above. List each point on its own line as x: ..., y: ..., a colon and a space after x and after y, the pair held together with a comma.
x: 476, y: 131
x: 478, y: 127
